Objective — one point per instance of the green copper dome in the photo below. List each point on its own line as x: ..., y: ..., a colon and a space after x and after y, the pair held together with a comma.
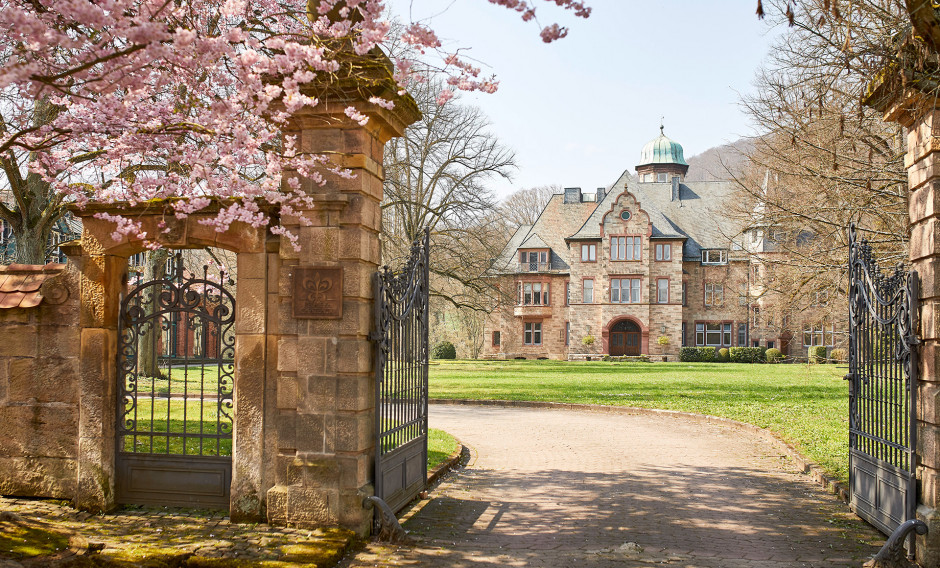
x: 662, y: 150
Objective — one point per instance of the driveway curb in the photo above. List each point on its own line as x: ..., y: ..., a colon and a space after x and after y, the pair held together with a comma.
x: 807, y: 466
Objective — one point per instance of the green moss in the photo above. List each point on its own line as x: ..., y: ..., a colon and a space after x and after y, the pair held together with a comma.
x: 326, y: 550
x: 19, y: 539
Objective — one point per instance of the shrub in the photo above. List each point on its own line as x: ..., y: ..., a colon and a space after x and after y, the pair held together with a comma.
x: 444, y: 350
x: 748, y: 354
x: 773, y: 355
x: 816, y: 354
x: 688, y: 354
x: 839, y: 355
x: 663, y: 340
x: 706, y: 354
x: 723, y: 355
x: 588, y: 340
x: 606, y: 358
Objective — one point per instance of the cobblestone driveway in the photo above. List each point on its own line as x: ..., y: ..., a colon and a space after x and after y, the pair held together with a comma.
x: 570, y: 488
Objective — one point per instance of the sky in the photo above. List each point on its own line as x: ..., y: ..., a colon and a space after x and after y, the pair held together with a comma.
x: 578, y: 111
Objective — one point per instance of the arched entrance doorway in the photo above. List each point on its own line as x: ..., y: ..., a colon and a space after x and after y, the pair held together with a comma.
x: 625, y: 338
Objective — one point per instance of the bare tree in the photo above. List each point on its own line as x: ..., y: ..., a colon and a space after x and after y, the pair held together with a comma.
x: 523, y: 207
x: 436, y: 177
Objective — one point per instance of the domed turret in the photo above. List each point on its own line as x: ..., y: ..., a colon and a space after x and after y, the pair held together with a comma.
x: 661, y: 159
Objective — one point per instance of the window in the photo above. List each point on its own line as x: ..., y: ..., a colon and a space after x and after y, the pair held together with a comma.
x: 756, y: 319
x: 662, y: 290
x: 684, y: 343
x: 742, y: 334
x: 685, y: 288
x: 567, y: 332
x: 495, y: 339
x: 821, y: 298
x: 625, y: 215
x: 664, y: 252
x: 647, y: 177
x: 625, y: 290
x: 755, y: 272
x: 588, y: 253
x: 714, y: 295
x: 743, y: 296
x: 533, y: 333
x: 534, y: 294
x: 625, y: 248
x: 587, y: 291
x: 567, y: 293
x: 662, y: 177
x: 818, y: 334
x: 715, y: 256
x: 770, y: 345
x: 531, y: 261
x: 713, y: 334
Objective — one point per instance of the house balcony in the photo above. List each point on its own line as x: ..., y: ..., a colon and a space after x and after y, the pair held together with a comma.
x: 532, y: 311
x: 535, y: 267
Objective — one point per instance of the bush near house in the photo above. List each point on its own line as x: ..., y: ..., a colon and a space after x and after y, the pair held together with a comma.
x: 723, y: 355
x: 697, y: 354
x: 444, y: 350
x: 748, y: 354
x: 839, y: 355
x: 816, y: 354
x: 773, y: 355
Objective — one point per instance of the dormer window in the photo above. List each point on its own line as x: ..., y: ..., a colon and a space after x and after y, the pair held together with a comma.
x: 661, y: 177
x: 533, y: 261
x: 715, y: 256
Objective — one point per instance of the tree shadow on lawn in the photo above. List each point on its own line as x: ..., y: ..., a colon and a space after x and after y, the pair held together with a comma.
x: 722, y: 513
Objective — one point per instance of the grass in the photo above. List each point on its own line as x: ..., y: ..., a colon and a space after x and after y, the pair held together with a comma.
x: 806, y: 405
x: 440, y: 446
x: 171, y: 418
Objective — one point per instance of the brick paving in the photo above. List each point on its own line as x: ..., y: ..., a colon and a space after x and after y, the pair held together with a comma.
x: 561, y: 488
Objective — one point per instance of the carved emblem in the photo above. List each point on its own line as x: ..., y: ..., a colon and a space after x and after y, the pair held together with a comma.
x: 318, y: 292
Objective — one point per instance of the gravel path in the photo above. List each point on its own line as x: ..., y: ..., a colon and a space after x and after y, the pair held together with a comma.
x: 562, y: 488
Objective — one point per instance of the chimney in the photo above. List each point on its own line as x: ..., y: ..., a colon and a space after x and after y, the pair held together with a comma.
x: 675, y: 188
x: 601, y: 192
x: 572, y: 195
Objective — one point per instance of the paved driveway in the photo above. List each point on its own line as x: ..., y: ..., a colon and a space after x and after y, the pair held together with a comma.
x: 574, y: 488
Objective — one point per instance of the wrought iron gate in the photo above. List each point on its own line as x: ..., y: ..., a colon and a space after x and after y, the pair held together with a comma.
x: 883, y: 385
x: 401, y: 379
x: 175, y: 392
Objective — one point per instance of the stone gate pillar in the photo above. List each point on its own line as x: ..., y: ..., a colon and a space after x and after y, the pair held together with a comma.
x: 922, y: 161
x: 319, y: 453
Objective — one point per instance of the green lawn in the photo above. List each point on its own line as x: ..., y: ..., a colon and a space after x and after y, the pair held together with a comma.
x: 440, y: 446
x: 807, y: 405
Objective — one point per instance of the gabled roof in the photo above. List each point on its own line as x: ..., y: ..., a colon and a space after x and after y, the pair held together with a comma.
x: 556, y: 220
x: 699, y: 215
x: 533, y: 241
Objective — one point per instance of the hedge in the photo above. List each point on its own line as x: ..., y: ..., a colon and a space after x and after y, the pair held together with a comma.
x: 773, y: 355
x: 839, y: 355
x: 697, y: 354
x: 444, y: 350
x: 816, y: 354
x: 748, y: 354
x: 723, y: 355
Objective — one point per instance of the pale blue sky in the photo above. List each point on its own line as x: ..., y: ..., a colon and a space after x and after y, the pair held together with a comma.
x: 578, y: 111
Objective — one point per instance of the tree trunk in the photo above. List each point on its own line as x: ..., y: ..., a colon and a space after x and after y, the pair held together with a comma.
x: 148, y: 352
x: 30, y: 244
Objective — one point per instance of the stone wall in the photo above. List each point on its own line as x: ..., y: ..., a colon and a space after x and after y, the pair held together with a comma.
x: 39, y: 381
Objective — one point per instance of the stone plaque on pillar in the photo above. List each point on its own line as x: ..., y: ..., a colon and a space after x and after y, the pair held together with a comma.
x: 318, y: 292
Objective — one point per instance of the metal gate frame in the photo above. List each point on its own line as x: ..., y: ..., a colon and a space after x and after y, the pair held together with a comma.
x: 883, y: 311
x: 155, y: 464
x: 401, y: 378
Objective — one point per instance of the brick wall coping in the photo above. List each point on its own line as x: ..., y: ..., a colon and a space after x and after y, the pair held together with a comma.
x: 20, y: 283
x: 824, y: 480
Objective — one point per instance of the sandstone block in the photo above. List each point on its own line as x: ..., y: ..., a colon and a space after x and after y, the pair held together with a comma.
x: 287, y: 354
x: 46, y: 379
x: 276, y: 498
x: 354, y: 432
x: 39, y: 430
x: 311, y: 472
x: 53, y: 478
x: 288, y: 394
x: 250, y: 296
x: 310, y: 433
x: 252, y: 265
x: 355, y: 393
x: 311, y: 507
x: 316, y: 355
x: 286, y: 426
x: 19, y: 340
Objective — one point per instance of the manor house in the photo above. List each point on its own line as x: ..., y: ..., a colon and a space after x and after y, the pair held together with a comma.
x: 650, y: 264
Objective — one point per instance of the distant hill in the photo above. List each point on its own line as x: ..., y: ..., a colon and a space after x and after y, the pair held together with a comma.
x: 721, y: 162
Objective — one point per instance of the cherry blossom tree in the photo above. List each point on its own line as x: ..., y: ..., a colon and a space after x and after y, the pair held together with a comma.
x: 137, y: 100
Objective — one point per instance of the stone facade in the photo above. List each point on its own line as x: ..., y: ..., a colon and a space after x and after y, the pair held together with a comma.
x: 39, y: 381
x: 688, y: 266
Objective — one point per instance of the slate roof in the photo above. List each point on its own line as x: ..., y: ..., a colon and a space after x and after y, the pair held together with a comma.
x: 557, y: 220
x: 697, y: 216
x: 19, y: 284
